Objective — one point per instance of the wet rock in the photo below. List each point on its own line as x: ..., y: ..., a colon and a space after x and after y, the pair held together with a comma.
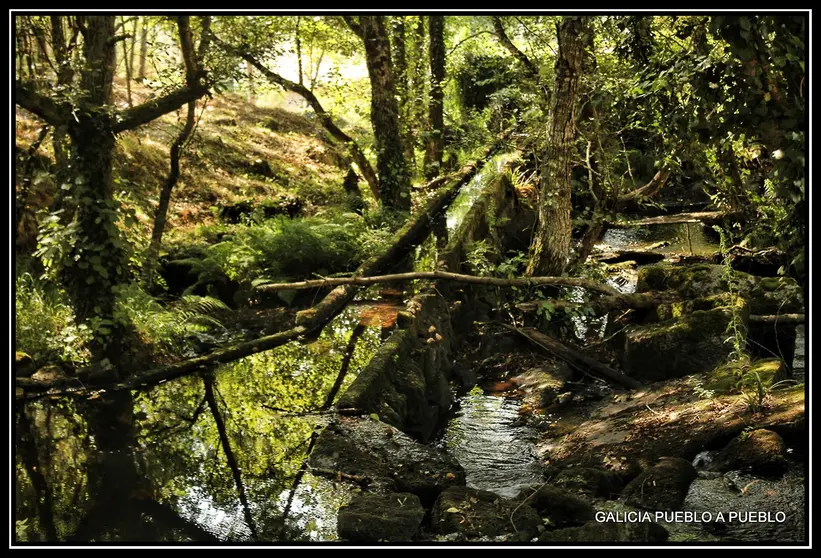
x: 560, y: 506
x: 543, y: 384
x: 405, y: 383
x: 393, y: 517
x: 590, y: 480
x: 603, y: 532
x: 760, y: 451
x: 663, y: 487
x: 386, y: 457
x: 475, y: 513
x: 49, y: 373
x: 690, y: 344
x: 24, y: 365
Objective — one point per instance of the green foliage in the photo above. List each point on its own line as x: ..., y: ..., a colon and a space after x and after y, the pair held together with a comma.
x: 169, y: 328
x: 45, y: 326
x: 282, y: 249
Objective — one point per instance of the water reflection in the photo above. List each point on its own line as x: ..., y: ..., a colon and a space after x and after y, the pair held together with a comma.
x: 679, y: 238
x: 496, y: 454
x: 195, y: 459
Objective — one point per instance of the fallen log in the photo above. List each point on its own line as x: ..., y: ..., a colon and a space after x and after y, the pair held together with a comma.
x: 677, y: 218
x: 779, y: 319
x: 444, y: 275
x: 574, y: 358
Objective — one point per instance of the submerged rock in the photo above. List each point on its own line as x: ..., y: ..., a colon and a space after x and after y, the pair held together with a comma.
x: 386, y: 457
x: 760, y: 451
x: 663, y: 487
x: 604, y: 532
x: 561, y: 507
x: 393, y: 517
x: 479, y: 513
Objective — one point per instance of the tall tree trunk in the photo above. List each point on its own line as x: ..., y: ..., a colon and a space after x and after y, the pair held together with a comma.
x: 299, y: 53
x: 436, y: 116
x: 418, y: 83
x: 394, y: 179
x: 400, y: 65
x: 550, y: 249
x: 143, y: 48
x: 126, y: 62
x: 59, y: 139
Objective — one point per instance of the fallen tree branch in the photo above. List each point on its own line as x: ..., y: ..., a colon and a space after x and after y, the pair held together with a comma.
x: 648, y: 190
x: 779, y: 319
x: 573, y: 357
x: 447, y: 276
x: 676, y: 218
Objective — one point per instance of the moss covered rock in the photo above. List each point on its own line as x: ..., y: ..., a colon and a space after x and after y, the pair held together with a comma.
x: 393, y: 517
x: 737, y: 377
x: 693, y: 343
x: 49, y: 373
x: 766, y: 295
x: 479, y: 513
x: 760, y: 451
x: 663, y: 487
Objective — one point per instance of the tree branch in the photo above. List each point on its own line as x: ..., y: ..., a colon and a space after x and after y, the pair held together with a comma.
x: 648, y: 190
x: 40, y: 105
x: 447, y: 276
x: 508, y: 44
x: 354, y: 25
x: 148, y: 111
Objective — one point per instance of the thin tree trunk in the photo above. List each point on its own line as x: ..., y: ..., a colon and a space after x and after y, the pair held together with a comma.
x: 192, y: 62
x: 550, y: 249
x: 394, y: 178
x: 299, y: 53
x: 436, y: 116
x: 400, y: 64
x: 126, y: 60
x: 143, y: 48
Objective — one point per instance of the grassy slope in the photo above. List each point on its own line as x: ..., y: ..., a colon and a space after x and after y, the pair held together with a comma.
x: 216, y: 169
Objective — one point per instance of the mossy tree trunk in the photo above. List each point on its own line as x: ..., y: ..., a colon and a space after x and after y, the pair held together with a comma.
x: 394, y: 178
x: 436, y: 116
x: 550, y: 249
x: 90, y: 252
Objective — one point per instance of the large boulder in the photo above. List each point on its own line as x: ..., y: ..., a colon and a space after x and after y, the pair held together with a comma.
x: 543, y: 384
x: 605, y: 532
x: 561, y: 507
x: 689, y: 344
x: 663, y: 487
x: 764, y: 296
x: 479, y: 513
x: 393, y: 517
x: 748, y: 378
x: 386, y: 458
x: 760, y: 451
